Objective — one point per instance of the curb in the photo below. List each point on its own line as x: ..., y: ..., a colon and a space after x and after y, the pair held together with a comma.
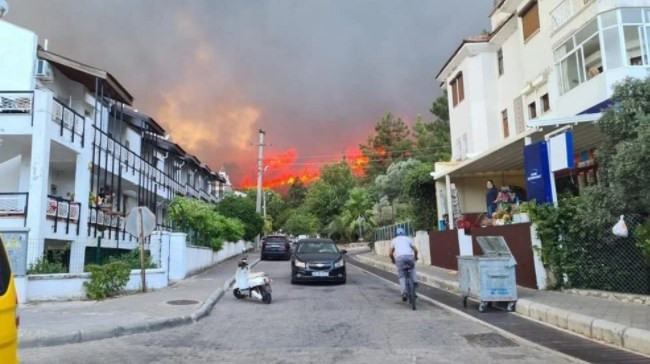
x: 80, y: 336
x: 608, y: 332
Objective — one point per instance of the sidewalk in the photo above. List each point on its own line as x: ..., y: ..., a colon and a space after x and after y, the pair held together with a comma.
x: 622, y: 324
x: 56, y: 323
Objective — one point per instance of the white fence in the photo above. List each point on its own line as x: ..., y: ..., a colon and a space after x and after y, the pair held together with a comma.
x: 421, y: 242
x: 174, y: 257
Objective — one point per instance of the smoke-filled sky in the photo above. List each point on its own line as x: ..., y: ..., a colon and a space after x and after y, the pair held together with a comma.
x: 315, y: 74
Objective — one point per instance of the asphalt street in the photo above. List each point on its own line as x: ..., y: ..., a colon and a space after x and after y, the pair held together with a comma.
x: 363, y: 321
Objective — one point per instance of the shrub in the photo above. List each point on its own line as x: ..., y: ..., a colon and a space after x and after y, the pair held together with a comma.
x: 44, y: 266
x: 132, y: 259
x: 106, y: 280
x: 244, y: 210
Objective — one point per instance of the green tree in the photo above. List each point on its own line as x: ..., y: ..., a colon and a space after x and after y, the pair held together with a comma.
x: 275, y: 204
x: 432, y: 140
x: 327, y: 196
x: 244, y: 210
x: 391, y: 183
x: 357, y: 217
x: 297, y: 193
x: 624, y: 156
x: 301, y: 222
x: 389, y: 143
x: 421, y: 190
x: 203, y: 224
x: 440, y: 107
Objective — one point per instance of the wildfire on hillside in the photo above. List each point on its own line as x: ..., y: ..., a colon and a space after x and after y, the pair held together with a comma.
x: 287, y: 167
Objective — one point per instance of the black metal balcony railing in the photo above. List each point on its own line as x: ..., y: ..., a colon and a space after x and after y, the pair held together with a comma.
x: 62, y: 209
x: 17, y: 102
x: 69, y: 120
x: 14, y: 204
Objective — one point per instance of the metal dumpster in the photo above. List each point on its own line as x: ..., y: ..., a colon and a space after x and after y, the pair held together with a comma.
x: 491, y: 277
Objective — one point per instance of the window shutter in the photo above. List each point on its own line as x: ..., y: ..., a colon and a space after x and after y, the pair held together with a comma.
x: 530, y: 20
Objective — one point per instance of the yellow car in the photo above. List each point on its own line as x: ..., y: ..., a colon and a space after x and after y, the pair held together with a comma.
x: 8, y: 311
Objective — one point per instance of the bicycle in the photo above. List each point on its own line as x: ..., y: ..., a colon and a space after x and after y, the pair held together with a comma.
x: 410, y: 286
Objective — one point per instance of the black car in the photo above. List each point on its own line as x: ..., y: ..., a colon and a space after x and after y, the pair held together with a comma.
x: 276, y: 246
x: 317, y: 260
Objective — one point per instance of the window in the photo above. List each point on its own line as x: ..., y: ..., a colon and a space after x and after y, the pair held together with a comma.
x: 544, y: 101
x: 532, y: 110
x: 530, y: 20
x: 500, y: 61
x: 504, y: 122
x: 579, y: 59
x: 457, y: 89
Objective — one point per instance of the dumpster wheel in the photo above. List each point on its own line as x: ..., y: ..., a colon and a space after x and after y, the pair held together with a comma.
x: 511, y: 306
x: 465, y: 301
x: 482, y: 307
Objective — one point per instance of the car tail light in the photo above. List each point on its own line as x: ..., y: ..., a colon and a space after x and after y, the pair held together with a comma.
x: 17, y: 317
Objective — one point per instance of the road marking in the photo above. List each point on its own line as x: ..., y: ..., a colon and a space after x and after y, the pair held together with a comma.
x: 464, y: 315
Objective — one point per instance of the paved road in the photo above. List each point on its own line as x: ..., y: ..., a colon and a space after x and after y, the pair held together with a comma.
x: 361, y: 322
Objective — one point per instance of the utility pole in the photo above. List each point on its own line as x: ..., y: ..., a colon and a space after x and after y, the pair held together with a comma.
x: 260, y: 172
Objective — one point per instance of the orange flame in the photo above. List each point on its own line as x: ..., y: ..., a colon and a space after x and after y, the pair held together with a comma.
x: 285, y: 169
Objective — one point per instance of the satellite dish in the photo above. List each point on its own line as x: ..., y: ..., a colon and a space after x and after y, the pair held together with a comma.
x: 4, y: 8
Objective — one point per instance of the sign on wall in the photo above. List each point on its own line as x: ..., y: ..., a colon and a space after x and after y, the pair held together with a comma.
x: 16, y: 244
x: 538, y: 174
x: 561, y: 151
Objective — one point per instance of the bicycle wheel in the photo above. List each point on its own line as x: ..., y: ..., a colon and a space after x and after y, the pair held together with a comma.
x: 410, y: 289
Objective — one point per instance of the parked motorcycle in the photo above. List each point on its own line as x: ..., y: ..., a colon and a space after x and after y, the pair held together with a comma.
x: 254, y: 285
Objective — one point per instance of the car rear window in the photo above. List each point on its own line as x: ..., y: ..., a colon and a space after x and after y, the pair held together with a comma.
x: 5, y: 270
x: 275, y: 239
x: 309, y: 247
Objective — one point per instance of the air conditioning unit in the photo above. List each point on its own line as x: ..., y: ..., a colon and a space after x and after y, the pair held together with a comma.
x: 44, y: 71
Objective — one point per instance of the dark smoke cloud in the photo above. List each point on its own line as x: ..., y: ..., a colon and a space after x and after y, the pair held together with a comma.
x: 316, y: 74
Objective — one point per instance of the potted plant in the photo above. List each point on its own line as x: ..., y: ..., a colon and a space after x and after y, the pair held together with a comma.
x: 524, y: 211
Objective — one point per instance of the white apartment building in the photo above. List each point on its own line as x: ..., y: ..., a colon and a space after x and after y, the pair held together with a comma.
x: 544, y: 65
x: 75, y: 157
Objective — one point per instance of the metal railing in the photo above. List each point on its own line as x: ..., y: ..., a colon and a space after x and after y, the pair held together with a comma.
x: 561, y: 14
x: 389, y: 232
x: 68, y: 119
x: 14, y: 204
x: 62, y: 209
x: 17, y: 102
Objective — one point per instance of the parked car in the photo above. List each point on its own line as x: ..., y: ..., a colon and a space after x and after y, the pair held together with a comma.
x: 276, y: 246
x: 317, y: 260
x: 8, y: 311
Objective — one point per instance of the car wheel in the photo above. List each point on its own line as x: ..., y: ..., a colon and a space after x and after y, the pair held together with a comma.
x: 262, y: 257
x: 237, y: 294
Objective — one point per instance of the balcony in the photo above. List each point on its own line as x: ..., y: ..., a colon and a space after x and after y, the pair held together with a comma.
x: 17, y: 103
x: 71, y: 122
x: 63, y: 213
x: 13, y: 205
x: 565, y: 10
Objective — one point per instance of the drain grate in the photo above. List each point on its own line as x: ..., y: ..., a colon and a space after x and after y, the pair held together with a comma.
x: 489, y: 341
x: 182, y: 302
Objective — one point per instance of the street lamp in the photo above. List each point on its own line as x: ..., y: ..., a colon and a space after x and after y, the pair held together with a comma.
x: 4, y: 8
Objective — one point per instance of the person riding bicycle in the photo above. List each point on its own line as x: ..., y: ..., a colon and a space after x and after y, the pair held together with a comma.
x: 403, y: 253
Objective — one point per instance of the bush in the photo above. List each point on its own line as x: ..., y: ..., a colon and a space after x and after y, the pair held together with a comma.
x: 203, y: 224
x: 244, y: 210
x: 44, y: 266
x: 132, y: 259
x: 106, y: 280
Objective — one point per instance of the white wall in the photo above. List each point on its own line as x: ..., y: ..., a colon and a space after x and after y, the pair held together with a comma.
x: 17, y: 57
x: 58, y: 287
x: 65, y: 183
x: 10, y: 172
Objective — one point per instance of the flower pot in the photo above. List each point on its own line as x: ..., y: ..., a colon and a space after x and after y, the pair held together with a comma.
x: 524, y: 217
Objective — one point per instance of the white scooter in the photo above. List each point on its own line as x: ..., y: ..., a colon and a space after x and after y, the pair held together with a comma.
x: 256, y: 285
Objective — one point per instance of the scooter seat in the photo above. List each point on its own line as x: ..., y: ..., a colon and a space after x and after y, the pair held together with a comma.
x: 256, y: 274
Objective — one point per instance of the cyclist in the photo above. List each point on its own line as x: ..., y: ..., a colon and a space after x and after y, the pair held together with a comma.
x: 403, y: 253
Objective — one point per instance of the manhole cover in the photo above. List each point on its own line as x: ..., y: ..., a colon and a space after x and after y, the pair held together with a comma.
x: 182, y: 302
x: 489, y: 341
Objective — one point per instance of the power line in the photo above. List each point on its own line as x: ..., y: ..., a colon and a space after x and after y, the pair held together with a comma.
x: 320, y: 156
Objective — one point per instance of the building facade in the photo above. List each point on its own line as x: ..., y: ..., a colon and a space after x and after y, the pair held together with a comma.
x: 76, y: 157
x: 544, y: 65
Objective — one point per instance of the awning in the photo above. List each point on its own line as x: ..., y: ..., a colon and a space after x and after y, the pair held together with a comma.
x: 508, y: 156
x: 88, y: 75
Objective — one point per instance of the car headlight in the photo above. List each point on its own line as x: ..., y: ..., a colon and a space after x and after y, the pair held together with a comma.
x: 300, y: 264
x: 339, y: 264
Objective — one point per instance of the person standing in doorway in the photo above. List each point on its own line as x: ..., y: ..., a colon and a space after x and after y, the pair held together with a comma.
x: 491, y: 195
